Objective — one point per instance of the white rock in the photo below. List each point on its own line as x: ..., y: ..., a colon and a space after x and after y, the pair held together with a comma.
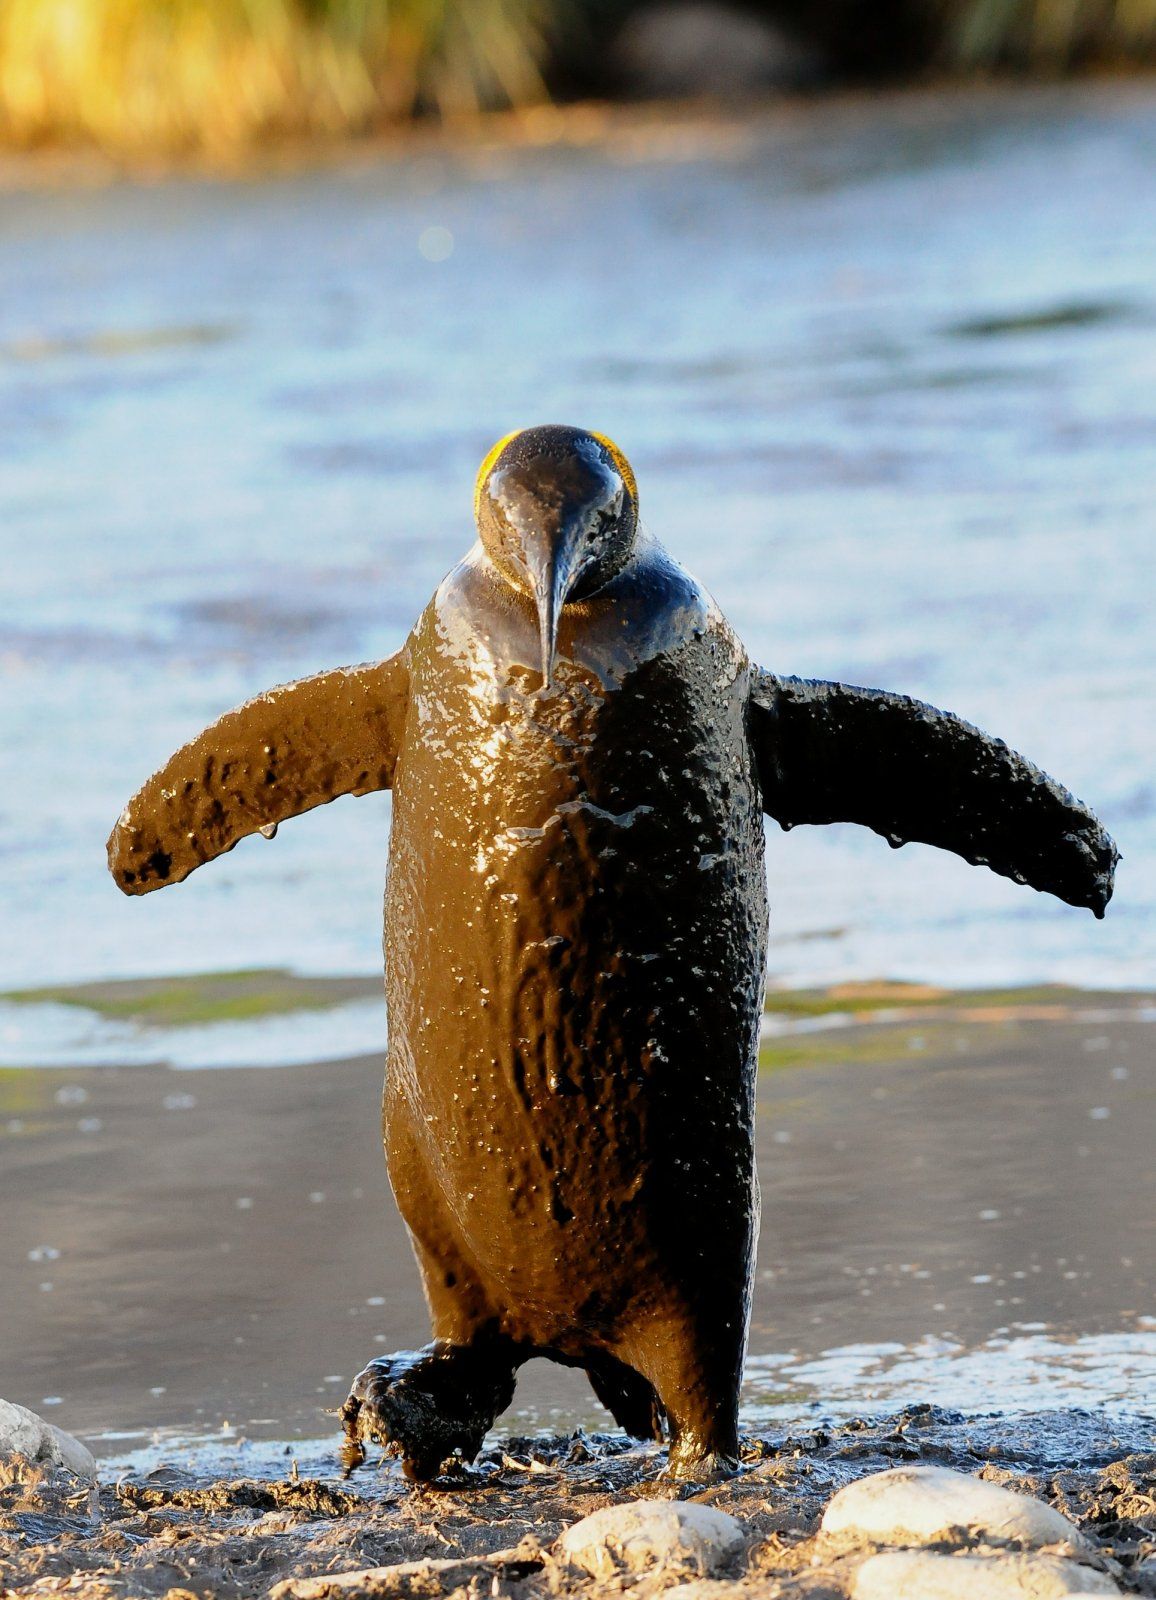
x: 649, y: 1533
x: 23, y: 1432
x: 920, y: 1575
x: 931, y: 1505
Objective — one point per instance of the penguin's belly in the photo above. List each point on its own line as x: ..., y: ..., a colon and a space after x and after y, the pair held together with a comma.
x: 575, y: 941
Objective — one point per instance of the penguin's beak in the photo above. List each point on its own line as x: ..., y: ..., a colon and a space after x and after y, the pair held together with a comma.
x: 552, y: 565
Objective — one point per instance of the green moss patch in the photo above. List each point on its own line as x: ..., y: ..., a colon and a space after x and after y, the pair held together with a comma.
x: 182, y: 1002
x: 871, y: 998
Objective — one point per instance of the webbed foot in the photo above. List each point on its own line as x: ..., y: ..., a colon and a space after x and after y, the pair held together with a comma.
x: 427, y: 1406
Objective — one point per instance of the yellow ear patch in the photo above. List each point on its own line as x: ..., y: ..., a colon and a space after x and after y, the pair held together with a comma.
x: 487, y: 465
x: 622, y: 466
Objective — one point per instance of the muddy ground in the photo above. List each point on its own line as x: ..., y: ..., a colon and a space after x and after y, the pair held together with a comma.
x: 176, y: 1532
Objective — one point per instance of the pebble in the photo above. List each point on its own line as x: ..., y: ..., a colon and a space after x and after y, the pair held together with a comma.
x: 932, y: 1505
x: 652, y: 1533
x: 920, y: 1575
x: 23, y: 1432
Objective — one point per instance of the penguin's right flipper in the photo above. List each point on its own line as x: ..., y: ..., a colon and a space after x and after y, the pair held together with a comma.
x: 292, y: 748
x: 830, y: 752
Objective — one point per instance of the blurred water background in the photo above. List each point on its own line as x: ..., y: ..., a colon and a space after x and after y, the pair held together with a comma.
x: 887, y: 373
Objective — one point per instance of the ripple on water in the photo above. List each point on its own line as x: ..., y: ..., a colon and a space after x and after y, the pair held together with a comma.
x: 1027, y: 1369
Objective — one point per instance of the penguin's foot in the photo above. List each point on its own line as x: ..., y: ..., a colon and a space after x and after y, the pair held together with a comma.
x: 690, y: 1463
x: 427, y: 1406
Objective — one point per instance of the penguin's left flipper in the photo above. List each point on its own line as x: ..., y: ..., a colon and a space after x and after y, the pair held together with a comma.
x: 830, y: 752
x: 290, y: 749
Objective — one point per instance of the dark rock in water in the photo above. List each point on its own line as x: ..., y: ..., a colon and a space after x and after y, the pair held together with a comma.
x: 696, y: 48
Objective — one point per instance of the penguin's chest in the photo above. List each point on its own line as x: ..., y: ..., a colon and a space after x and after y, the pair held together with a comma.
x: 534, y: 837
x: 575, y: 883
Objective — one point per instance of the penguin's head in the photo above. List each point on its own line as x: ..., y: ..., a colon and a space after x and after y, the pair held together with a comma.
x: 557, y: 512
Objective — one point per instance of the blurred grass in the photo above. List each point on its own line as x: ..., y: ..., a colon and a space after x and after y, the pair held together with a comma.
x: 1048, y: 36
x: 219, y: 75
x: 139, y: 77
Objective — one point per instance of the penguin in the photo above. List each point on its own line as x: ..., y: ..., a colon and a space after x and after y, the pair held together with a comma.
x: 581, y: 754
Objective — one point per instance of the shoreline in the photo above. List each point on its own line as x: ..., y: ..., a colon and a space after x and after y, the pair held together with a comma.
x: 162, y: 1014
x: 239, y: 1256
x: 630, y: 131
x: 987, y: 1244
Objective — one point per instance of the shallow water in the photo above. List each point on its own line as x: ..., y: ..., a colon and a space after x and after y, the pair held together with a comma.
x: 886, y: 371
x: 954, y: 1210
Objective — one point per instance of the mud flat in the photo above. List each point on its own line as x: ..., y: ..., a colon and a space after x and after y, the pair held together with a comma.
x: 221, y: 1528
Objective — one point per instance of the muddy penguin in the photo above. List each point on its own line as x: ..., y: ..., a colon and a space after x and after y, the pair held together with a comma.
x: 581, y: 754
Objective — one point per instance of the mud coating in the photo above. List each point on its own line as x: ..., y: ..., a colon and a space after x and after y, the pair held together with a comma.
x: 575, y: 937
x: 829, y: 752
x: 290, y: 749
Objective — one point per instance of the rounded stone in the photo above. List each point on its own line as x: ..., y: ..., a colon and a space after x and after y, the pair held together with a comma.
x: 933, y: 1505
x: 23, y: 1433
x: 921, y: 1575
x: 652, y: 1533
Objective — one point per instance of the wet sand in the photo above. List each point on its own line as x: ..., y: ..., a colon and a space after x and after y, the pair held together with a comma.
x: 949, y: 1190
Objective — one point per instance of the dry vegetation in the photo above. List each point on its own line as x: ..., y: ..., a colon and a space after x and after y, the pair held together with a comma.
x: 160, y: 77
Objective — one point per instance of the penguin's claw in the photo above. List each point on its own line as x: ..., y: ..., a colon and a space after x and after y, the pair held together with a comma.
x: 427, y: 1406
x: 695, y: 1467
